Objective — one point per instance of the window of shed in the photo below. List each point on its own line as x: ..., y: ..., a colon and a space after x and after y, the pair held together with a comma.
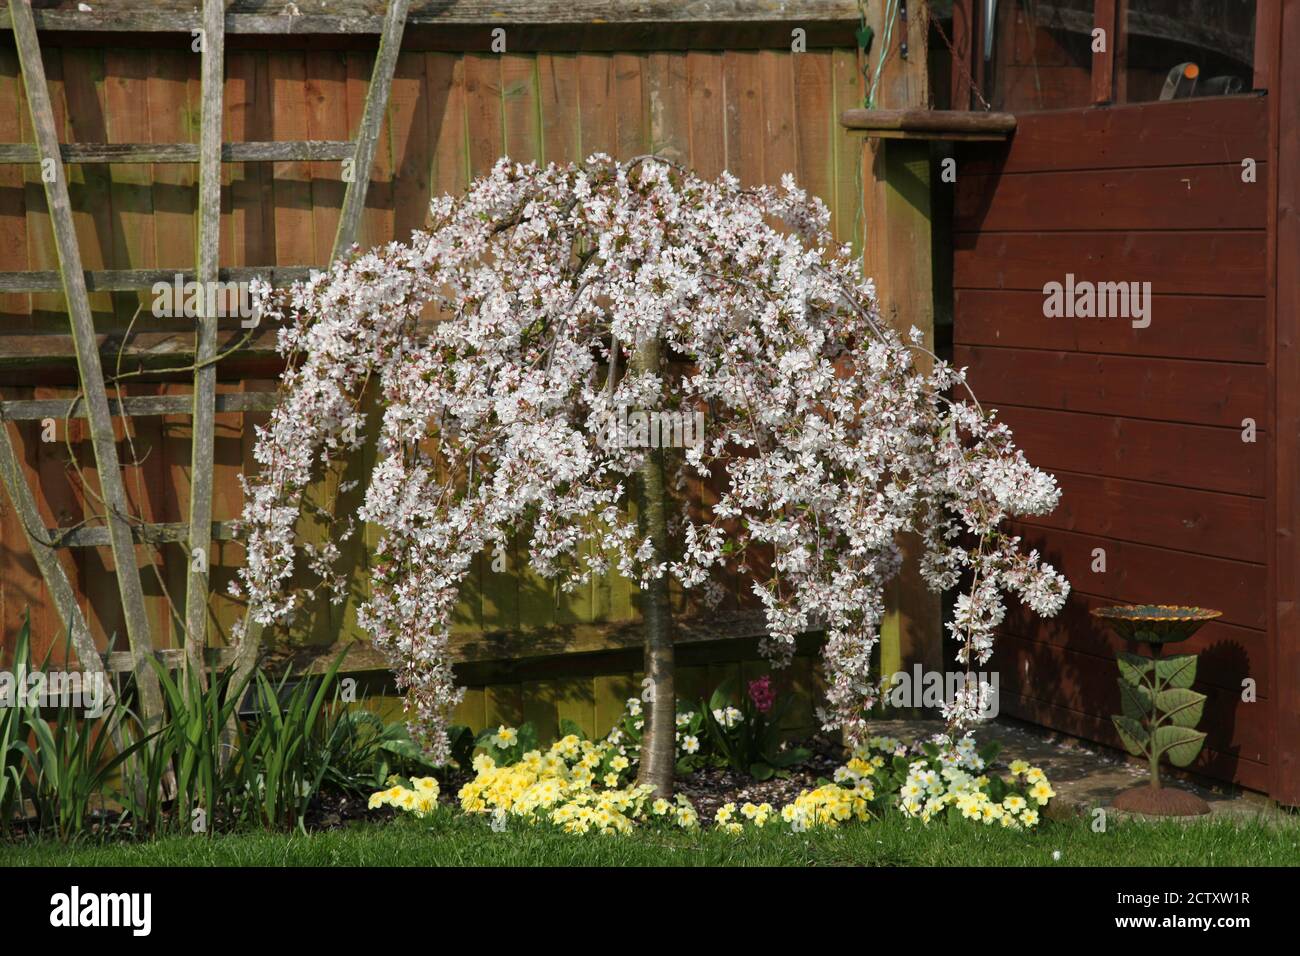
x: 1176, y: 49
x: 1037, y: 56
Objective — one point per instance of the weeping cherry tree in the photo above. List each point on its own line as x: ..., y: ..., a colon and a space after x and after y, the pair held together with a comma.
x: 566, y: 296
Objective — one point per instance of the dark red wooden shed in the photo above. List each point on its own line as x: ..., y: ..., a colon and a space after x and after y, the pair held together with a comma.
x: 1168, y: 153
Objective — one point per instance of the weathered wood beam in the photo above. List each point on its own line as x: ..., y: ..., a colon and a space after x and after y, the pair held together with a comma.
x: 960, y: 125
x: 172, y: 532
x: 897, y: 254
x: 103, y: 440
x: 261, y: 152
x: 207, y: 258
x: 529, y: 644
x: 135, y: 280
x: 40, y: 353
x: 372, y: 117
x: 353, y: 17
x: 171, y: 658
x: 535, y: 643
x: 135, y: 406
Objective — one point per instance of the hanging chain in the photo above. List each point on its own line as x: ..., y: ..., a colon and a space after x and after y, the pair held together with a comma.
x: 956, y: 59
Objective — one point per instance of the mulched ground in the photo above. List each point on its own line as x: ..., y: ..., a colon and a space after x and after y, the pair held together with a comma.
x: 710, y: 788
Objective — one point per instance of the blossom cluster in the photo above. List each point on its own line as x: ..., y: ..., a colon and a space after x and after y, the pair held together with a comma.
x: 946, y: 779
x: 757, y: 814
x: 829, y: 434
x: 584, y: 786
x: 419, y: 798
x: 564, y: 786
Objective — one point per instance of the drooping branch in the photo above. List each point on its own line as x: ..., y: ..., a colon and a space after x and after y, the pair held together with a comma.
x: 831, y: 442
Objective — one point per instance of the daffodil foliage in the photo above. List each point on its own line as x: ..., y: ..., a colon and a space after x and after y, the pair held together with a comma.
x: 824, y: 435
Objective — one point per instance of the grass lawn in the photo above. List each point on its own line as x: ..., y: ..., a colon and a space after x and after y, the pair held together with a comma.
x: 448, y: 839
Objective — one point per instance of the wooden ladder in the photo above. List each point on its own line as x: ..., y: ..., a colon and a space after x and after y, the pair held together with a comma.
x: 120, y: 530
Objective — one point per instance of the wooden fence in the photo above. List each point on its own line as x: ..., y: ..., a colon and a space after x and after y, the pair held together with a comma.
x: 759, y: 112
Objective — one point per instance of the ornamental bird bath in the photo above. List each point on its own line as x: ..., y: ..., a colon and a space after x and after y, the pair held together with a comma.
x: 1160, y: 709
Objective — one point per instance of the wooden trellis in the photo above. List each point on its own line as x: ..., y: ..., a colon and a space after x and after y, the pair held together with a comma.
x: 121, y: 530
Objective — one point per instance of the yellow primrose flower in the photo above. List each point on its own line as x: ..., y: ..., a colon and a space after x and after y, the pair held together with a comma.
x: 860, y: 768
x: 1018, y: 767
x: 1042, y: 792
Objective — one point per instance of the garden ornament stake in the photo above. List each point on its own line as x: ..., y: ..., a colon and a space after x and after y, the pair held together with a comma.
x: 1160, y: 709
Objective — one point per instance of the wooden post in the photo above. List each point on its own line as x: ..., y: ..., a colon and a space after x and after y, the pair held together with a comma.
x: 207, y: 262
x: 897, y: 254
x: 1283, y: 59
x: 372, y: 118
x: 102, y: 436
x: 1103, y: 64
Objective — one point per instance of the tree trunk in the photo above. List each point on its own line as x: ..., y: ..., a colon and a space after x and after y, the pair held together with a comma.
x: 659, y: 739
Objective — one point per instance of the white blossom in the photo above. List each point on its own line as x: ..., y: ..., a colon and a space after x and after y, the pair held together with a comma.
x: 825, y: 440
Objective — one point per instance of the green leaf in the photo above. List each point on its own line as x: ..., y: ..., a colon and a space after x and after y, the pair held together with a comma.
x: 527, y: 736
x: 761, y: 771
x: 1179, y: 744
x: 788, y: 758
x: 722, y: 742
x: 408, y: 750
x: 997, y: 789
x: 568, y: 727
x: 989, y: 752
x: 1134, y: 699
x: 722, y: 696
x: 1133, y: 667
x: 1180, y: 706
x: 1177, y: 671
x: 1133, y: 735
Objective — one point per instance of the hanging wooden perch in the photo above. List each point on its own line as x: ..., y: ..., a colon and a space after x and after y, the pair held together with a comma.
x: 960, y: 125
